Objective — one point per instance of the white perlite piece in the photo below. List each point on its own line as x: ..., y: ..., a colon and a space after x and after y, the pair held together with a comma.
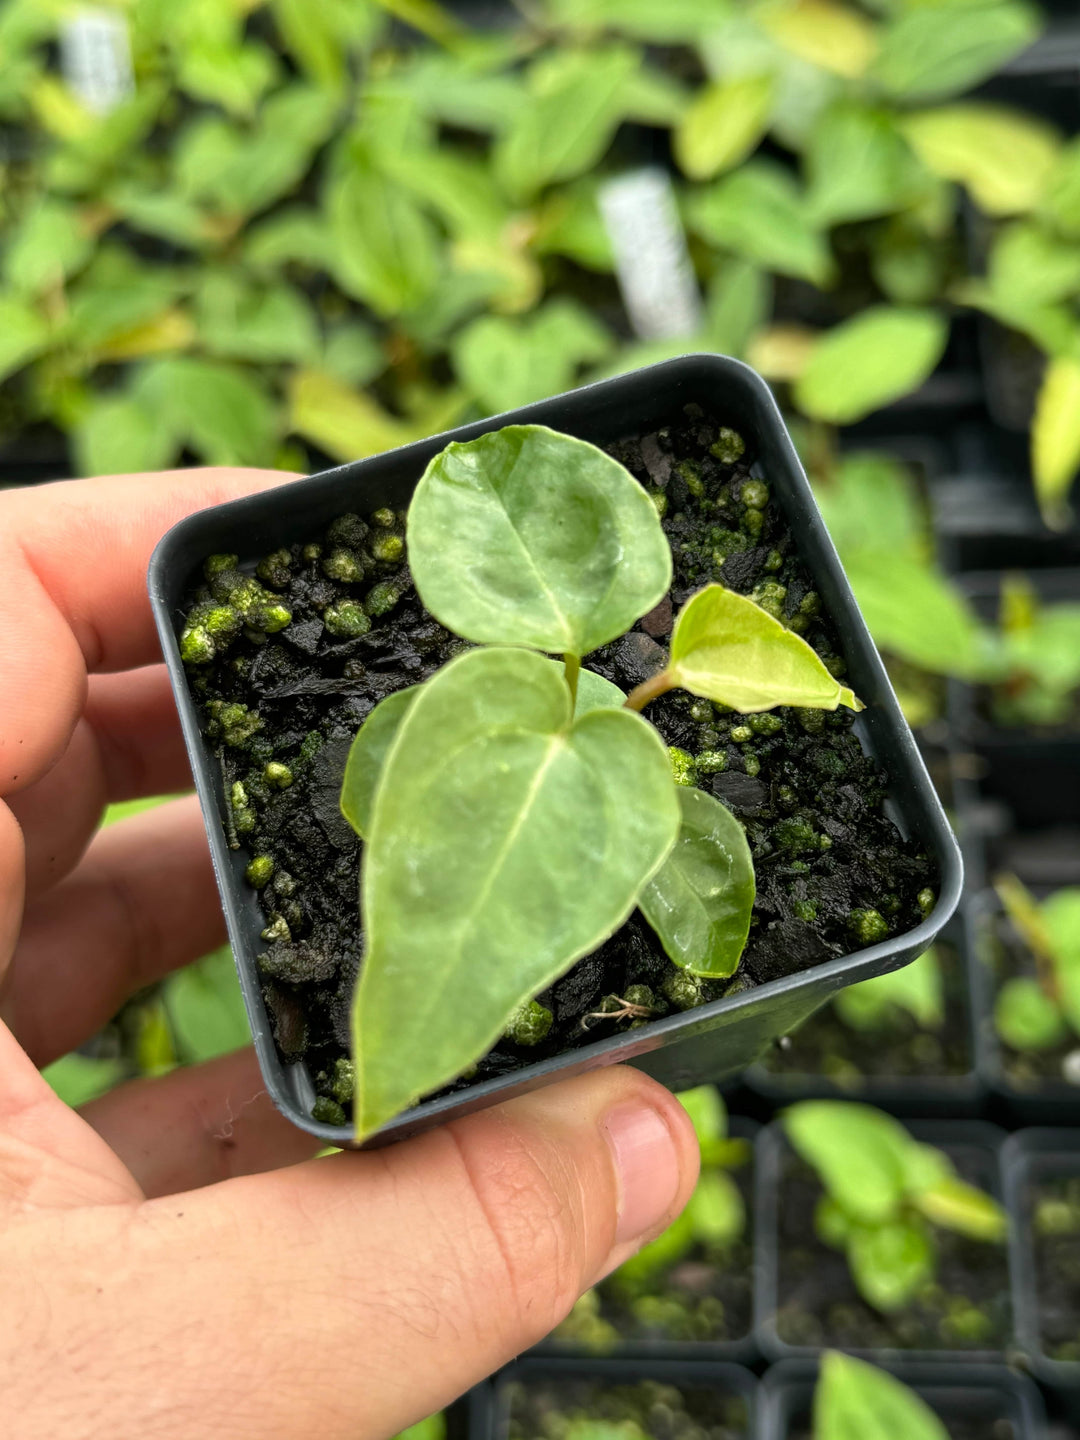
x: 652, y: 261
x: 95, y: 56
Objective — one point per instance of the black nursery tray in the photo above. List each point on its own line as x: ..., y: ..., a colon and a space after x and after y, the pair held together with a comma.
x: 721, y: 1397
x: 973, y: 1402
x: 717, y: 1039
x: 787, y: 1192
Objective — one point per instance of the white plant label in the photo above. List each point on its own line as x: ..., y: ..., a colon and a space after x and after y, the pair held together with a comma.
x: 95, y: 56
x: 652, y: 262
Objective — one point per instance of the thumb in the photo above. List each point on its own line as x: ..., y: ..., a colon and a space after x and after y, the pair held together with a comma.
x: 349, y: 1297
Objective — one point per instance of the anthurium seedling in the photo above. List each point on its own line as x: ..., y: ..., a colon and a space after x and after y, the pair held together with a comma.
x: 885, y: 1193
x: 1041, y: 658
x: 1038, y: 1012
x: 916, y: 990
x: 857, y: 1401
x: 711, y: 1224
x: 516, y: 807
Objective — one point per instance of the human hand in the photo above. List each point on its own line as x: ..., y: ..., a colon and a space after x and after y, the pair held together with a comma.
x: 174, y: 1263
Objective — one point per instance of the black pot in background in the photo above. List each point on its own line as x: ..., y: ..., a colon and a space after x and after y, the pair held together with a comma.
x: 1035, y: 774
x: 741, y: 1350
x: 986, y: 1393
x: 938, y: 1095
x: 711, y: 1042
x: 696, y: 1375
x: 1046, y: 1101
x: 1029, y: 1158
x: 956, y: 1138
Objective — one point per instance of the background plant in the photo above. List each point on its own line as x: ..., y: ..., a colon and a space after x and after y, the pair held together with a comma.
x: 856, y: 1401
x: 884, y: 1195
x: 1038, y: 1012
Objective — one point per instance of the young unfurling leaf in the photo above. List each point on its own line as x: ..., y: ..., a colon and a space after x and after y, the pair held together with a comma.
x: 506, y: 840
x: 528, y: 537
x: 729, y: 649
x: 701, y: 899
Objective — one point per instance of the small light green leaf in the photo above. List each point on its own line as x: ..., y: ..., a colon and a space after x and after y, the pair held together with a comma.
x: 669, y: 1247
x: 701, y: 899
x: 931, y: 51
x: 859, y: 1154
x: 728, y: 649
x: 369, y: 751
x: 858, y: 165
x: 220, y: 410
x: 507, y: 840
x: 913, y: 610
x: 1055, y: 438
x: 955, y: 1205
x: 78, y: 1079
x: 117, y: 436
x: 716, y: 1209
x: 916, y: 988
x: 1027, y: 919
x: 891, y: 1262
x: 870, y: 502
x: 206, y: 1009
x: 760, y: 213
x: 50, y: 243
x: 738, y: 303
x: 708, y: 1114
x: 243, y: 322
x: 24, y: 333
x: 869, y: 361
x: 830, y: 36
x: 574, y: 104
x: 1062, y: 201
x: 529, y: 537
x: 1004, y: 157
x: 856, y: 1401
x: 344, y: 422
x: 506, y: 362
x: 1026, y: 1018
x: 1061, y: 919
x: 723, y: 125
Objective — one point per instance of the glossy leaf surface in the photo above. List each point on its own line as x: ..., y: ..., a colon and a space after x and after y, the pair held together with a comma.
x: 528, y: 537
x: 728, y: 649
x: 856, y: 1401
x: 701, y: 899
x: 506, y: 842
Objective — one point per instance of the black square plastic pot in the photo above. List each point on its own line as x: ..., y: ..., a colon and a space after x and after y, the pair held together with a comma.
x: 971, y: 1144
x: 1044, y: 1101
x: 739, y: 1349
x: 1031, y: 1158
x: 715, y: 1040
x: 979, y: 1395
x: 1035, y: 774
x: 923, y: 1094
x: 685, y: 1375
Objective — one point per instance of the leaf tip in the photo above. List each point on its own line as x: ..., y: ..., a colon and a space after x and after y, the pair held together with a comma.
x: 850, y: 699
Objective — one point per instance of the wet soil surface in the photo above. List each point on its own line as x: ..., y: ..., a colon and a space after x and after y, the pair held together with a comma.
x: 897, y: 1049
x: 555, y: 1409
x: 967, y: 1308
x: 705, y: 1297
x: 810, y: 799
x: 1054, y: 1208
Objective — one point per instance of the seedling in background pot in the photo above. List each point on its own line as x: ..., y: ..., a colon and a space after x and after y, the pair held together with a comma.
x: 856, y: 1401
x: 884, y: 1195
x: 1037, y: 1012
x: 516, y: 807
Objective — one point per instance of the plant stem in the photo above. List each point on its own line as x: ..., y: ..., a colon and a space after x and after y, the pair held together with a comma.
x: 649, y: 690
x: 572, y: 668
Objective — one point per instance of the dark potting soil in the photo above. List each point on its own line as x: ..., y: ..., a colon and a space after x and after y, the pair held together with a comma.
x: 897, y: 1049
x: 1054, y: 1207
x: 1026, y: 1070
x: 706, y: 1296
x: 811, y: 801
x: 559, y: 1409
x: 966, y: 1307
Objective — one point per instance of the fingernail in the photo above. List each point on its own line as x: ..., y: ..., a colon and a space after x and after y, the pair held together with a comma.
x: 647, y: 1166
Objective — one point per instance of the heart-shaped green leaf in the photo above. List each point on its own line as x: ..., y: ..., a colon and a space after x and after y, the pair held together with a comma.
x: 376, y: 735
x: 528, y: 537
x: 890, y: 1262
x: 506, y: 840
x: 728, y: 649
x: 700, y: 900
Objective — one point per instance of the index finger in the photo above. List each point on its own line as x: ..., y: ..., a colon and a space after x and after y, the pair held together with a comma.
x: 74, y: 556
